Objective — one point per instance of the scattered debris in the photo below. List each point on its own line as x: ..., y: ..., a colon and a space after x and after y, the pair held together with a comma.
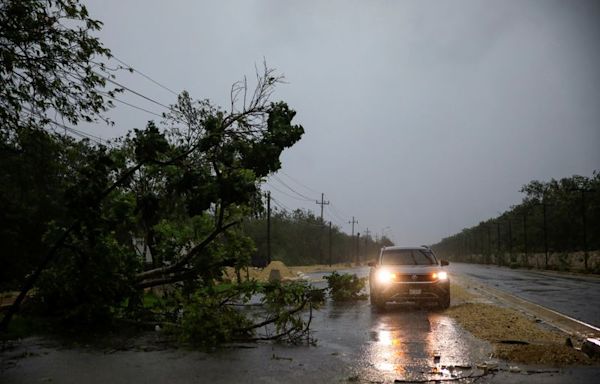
x: 275, y: 357
x: 514, y: 369
x: 463, y: 366
x: 514, y: 342
x: 591, y: 347
x: 488, y: 366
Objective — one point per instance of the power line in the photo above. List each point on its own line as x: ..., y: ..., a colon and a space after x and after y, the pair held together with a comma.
x: 281, y: 205
x: 287, y: 194
x: 338, y: 213
x: 340, y: 224
x: 144, y: 75
x: 292, y: 189
x: 333, y: 213
x: 299, y: 182
x: 134, y: 92
x: 76, y: 132
x: 132, y: 105
x: 79, y: 133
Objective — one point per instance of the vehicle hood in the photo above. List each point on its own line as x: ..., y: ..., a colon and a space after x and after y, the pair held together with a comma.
x: 412, y: 269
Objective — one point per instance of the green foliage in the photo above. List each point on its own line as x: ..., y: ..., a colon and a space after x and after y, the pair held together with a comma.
x: 49, y: 57
x: 346, y: 287
x: 94, y: 272
x: 179, y: 190
x: 207, y: 321
x: 566, y: 206
x: 216, y: 314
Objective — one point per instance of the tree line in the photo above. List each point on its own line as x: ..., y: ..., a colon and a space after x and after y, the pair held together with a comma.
x: 300, y: 237
x: 556, y: 216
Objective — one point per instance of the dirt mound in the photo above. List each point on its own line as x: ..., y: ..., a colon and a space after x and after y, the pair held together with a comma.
x: 285, y: 272
x: 261, y: 274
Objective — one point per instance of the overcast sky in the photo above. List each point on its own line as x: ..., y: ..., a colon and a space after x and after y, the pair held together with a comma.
x: 421, y: 117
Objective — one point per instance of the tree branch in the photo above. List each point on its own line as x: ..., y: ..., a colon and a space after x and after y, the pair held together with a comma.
x: 184, y: 260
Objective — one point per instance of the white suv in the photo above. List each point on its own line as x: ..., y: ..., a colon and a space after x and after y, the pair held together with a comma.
x: 403, y: 274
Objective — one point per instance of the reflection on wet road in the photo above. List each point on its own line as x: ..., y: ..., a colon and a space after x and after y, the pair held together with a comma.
x: 404, y: 342
x: 416, y: 344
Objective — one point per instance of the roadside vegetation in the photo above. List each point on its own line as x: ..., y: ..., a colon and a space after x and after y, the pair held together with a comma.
x: 153, y: 229
x: 346, y: 287
x: 90, y: 227
x: 556, y: 226
x: 300, y: 238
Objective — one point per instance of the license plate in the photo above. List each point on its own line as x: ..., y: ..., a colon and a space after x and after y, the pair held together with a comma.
x: 414, y: 291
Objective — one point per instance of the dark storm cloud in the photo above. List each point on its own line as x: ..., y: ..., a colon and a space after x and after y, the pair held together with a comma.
x: 423, y: 116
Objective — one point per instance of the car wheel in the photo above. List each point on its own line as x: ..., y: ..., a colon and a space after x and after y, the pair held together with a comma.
x: 444, y: 302
x: 377, y: 303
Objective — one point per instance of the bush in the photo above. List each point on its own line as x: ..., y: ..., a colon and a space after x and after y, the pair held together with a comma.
x: 345, y: 287
x: 206, y: 321
x: 218, y: 314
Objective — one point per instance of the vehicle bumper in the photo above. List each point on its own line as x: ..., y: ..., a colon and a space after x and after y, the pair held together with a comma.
x: 403, y: 292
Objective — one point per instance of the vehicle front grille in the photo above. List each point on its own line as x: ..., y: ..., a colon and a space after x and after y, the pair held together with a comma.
x: 414, y: 278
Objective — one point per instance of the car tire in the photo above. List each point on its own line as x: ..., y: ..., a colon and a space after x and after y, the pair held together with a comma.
x: 377, y: 303
x: 444, y: 302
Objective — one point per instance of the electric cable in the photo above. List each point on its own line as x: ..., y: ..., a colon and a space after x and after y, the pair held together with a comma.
x: 144, y: 75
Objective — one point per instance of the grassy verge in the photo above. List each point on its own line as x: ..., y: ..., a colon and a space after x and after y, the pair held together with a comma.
x: 514, y: 336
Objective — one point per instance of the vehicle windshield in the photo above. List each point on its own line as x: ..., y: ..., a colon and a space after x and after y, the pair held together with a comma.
x: 407, y: 257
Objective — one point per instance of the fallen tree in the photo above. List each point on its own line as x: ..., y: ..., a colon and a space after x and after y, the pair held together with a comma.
x: 181, y: 190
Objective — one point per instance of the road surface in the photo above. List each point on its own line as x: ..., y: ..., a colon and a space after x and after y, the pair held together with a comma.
x: 354, y: 345
x: 577, y: 296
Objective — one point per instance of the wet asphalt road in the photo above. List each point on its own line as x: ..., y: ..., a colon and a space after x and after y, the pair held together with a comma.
x: 354, y: 345
x: 577, y: 296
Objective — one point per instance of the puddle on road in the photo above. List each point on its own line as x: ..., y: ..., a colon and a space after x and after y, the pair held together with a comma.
x: 411, y: 344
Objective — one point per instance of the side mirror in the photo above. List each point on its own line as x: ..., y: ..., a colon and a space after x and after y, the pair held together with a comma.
x: 371, y: 263
x: 444, y: 262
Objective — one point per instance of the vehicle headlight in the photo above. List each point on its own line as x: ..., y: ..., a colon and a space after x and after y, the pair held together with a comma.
x: 384, y: 276
x: 443, y: 275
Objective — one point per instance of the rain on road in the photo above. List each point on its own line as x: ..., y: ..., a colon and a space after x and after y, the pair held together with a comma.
x: 354, y: 344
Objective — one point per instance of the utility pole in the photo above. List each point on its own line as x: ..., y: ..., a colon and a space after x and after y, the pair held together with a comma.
x: 353, y: 222
x: 489, y: 238
x: 525, y: 237
x: 544, y: 205
x: 322, y: 203
x: 367, y: 232
x: 268, y: 227
x: 357, y: 248
x: 584, y: 222
x: 499, y: 261
x: 330, y: 244
x: 510, y: 253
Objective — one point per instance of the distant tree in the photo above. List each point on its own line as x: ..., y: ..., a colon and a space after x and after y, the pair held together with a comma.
x: 566, y: 202
x: 300, y: 238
